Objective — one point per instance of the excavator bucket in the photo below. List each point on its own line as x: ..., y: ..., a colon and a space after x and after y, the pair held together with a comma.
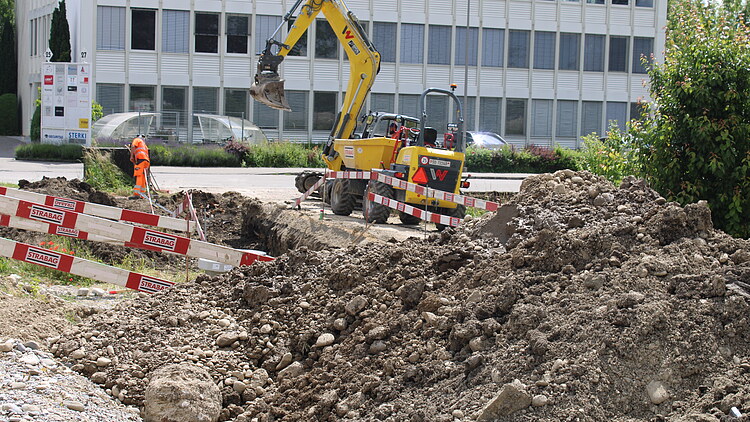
x: 269, y: 90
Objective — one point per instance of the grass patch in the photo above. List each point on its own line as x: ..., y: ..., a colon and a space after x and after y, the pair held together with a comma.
x: 50, y: 152
x: 9, y: 185
x: 102, y: 174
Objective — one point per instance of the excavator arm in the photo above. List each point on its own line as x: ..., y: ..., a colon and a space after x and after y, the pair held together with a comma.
x: 364, y: 62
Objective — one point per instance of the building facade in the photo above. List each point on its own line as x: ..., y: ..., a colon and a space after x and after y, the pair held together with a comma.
x: 540, y: 72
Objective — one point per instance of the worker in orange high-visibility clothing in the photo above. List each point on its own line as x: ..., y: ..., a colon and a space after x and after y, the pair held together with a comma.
x: 141, y: 163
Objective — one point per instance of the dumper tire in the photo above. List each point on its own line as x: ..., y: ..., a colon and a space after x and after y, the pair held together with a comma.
x: 342, y: 200
x: 408, y: 219
x: 458, y: 212
x: 306, y: 179
x: 374, y: 212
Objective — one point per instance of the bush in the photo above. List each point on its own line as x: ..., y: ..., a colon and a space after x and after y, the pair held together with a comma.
x: 695, y: 143
x: 533, y: 159
x: 50, y: 152
x: 283, y: 154
x: 9, y: 115
x: 36, y: 124
x: 161, y: 155
x: 612, y: 157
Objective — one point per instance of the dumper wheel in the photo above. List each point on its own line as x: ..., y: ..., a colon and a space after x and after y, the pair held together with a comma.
x: 342, y: 200
x: 408, y: 219
x: 458, y: 212
x: 306, y: 179
x: 374, y: 212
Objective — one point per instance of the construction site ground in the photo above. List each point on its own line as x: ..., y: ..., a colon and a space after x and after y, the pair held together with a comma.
x: 585, y: 301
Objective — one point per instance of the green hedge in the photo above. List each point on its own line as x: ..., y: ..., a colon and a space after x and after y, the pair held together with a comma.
x: 284, y: 154
x: 9, y: 115
x: 191, y: 157
x: 66, y: 152
x: 527, y: 160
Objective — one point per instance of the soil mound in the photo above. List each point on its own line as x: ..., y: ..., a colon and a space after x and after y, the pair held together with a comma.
x: 604, y: 303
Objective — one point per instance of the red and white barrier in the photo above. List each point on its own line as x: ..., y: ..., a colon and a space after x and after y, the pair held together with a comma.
x: 98, y: 210
x: 309, y: 192
x: 408, y: 209
x: 135, y: 236
x: 437, y: 194
x: 38, y: 226
x: 81, y: 267
x: 411, y: 187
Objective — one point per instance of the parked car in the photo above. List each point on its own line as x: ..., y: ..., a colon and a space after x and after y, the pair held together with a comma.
x: 486, y: 140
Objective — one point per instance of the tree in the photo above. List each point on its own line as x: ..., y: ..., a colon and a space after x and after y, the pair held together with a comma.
x: 8, y: 61
x: 696, y: 142
x: 59, y: 34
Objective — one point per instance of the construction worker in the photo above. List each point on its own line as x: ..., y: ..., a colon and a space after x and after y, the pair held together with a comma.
x: 141, y: 163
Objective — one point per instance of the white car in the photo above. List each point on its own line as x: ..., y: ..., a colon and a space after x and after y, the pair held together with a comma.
x: 485, y: 140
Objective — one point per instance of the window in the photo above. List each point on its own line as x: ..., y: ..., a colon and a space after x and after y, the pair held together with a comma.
x: 617, y: 114
x: 567, y: 118
x: 408, y: 105
x: 326, y: 43
x: 384, y: 37
x: 595, y: 1
x: 469, y: 109
x: 265, y: 117
x: 412, y: 43
x: 618, y: 54
x: 297, y: 118
x: 642, y: 47
x: 437, y: 112
x: 142, y: 98
x: 175, y: 31
x: 111, y: 97
x: 143, y: 30
x: 264, y: 27
x: 461, y: 51
x: 299, y: 49
x: 206, y: 100
x: 110, y: 28
x: 593, y: 54
x: 620, y: 2
x: 382, y: 102
x: 638, y: 111
x: 544, y: 50
x: 238, y: 29
x: 493, y: 47
x: 644, y: 3
x: 206, y: 33
x: 235, y: 103
x: 591, y: 118
x: 324, y: 110
x: 439, y: 45
x: 569, y: 51
x: 174, y: 107
x: 32, y: 38
x: 515, y: 117
x: 490, y: 114
x: 541, y: 118
x: 518, y: 49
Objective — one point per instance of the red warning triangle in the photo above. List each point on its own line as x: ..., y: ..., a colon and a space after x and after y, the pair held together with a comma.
x: 420, y: 176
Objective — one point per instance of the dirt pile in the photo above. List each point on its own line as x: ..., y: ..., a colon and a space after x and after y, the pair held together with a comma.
x: 605, y: 304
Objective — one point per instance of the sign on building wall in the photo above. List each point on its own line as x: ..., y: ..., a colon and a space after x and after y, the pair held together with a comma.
x: 66, y: 103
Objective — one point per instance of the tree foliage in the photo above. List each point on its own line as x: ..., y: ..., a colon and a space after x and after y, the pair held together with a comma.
x: 8, y: 60
x: 696, y: 143
x: 59, y: 34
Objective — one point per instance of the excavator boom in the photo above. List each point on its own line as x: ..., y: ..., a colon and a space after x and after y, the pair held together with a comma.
x: 364, y: 62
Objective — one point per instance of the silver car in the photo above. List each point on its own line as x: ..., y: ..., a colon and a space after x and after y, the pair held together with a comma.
x: 485, y: 140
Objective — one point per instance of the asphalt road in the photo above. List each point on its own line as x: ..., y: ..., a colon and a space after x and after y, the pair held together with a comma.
x: 268, y: 184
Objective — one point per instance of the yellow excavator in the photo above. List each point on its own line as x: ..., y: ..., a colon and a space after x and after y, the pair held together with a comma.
x: 404, y: 151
